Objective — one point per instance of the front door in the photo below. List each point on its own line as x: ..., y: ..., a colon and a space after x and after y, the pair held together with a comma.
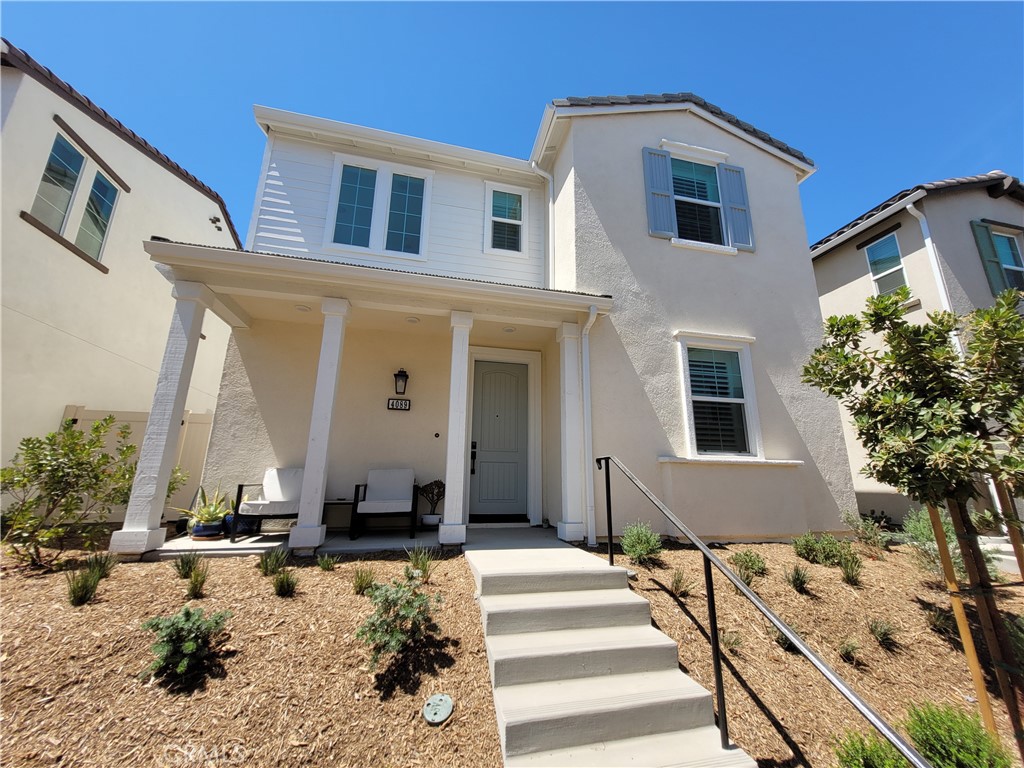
x: 498, y: 456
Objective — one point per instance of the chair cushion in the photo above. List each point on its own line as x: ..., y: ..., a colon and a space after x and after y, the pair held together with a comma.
x: 389, y: 485
x: 257, y: 508
x: 282, y: 484
x: 384, y: 506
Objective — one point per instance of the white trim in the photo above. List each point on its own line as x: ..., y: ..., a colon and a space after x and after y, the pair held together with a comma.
x: 867, y: 224
x: 741, y: 345
x: 261, y: 188
x: 1013, y: 237
x: 381, y: 207
x: 697, y: 245
x: 490, y: 187
x: 694, y: 153
x: 113, y: 209
x: 730, y: 460
x: 713, y: 337
x: 532, y: 360
x: 933, y: 261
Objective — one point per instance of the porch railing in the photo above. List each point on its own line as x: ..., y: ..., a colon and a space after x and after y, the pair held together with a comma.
x: 710, y: 559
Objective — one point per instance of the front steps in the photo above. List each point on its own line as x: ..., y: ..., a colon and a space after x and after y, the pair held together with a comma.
x: 1002, y: 553
x: 580, y: 676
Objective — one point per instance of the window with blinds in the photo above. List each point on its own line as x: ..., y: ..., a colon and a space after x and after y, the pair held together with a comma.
x: 717, y: 400
x: 886, y: 265
x: 697, y: 201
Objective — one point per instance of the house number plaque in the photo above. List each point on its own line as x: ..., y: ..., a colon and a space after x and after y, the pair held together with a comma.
x: 399, y: 404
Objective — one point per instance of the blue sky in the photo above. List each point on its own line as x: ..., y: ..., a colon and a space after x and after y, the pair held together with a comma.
x: 881, y: 95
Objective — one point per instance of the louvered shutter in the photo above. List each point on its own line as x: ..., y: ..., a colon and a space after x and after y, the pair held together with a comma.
x: 733, y: 184
x: 661, y: 212
x: 989, y: 258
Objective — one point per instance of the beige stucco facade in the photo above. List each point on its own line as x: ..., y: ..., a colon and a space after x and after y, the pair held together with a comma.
x: 71, y: 333
x: 943, y: 272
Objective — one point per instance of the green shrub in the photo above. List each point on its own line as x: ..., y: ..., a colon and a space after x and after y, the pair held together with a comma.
x: 681, y: 585
x: 798, y: 579
x: 101, y: 563
x: 851, y: 566
x: 185, y: 642
x: 884, y: 632
x: 806, y: 546
x: 848, y: 651
x: 81, y: 585
x: 919, y: 535
x: 401, y: 618
x: 951, y: 738
x: 640, y: 543
x: 272, y: 561
x: 284, y: 584
x: 197, y: 580
x: 830, y: 550
x: 940, y: 621
x: 730, y: 640
x: 187, y: 562
x: 868, y: 532
x: 326, y: 562
x: 421, y: 559
x: 855, y: 750
x: 1015, y: 629
x: 751, y: 561
x: 362, y: 580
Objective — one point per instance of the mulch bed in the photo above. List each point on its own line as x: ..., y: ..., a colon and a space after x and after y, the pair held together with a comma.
x: 295, y: 687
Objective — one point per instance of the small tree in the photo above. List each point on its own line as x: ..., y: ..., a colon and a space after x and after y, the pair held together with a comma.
x: 433, y: 492
x: 937, y: 420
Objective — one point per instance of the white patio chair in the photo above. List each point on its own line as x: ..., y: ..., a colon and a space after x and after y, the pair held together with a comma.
x: 385, y: 492
x: 281, y: 491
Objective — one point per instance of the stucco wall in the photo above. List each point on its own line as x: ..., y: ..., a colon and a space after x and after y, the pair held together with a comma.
x: 660, y: 289
x: 71, y: 334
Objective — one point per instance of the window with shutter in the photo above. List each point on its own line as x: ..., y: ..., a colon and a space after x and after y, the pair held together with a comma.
x: 1008, y: 253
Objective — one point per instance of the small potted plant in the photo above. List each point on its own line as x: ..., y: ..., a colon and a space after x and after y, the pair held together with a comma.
x: 433, y: 492
x: 206, y: 521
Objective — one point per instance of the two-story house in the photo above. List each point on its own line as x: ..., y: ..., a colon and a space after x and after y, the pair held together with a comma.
x: 84, y: 311
x: 635, y: 287
x: 955, y: 244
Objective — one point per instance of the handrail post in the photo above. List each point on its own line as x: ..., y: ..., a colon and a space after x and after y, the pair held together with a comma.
x: 608, y: 504
x: 716, y: 654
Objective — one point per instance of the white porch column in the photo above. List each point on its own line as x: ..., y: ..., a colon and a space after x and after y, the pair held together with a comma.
x: 453, y: 525
x: 310, y: 530
x: 141, y: 531
x: 571, y: 526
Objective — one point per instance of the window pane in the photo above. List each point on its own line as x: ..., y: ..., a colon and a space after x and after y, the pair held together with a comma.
x: 890, y: 282
x: 719, y: 427
x: 702, y: 223
x: 58, y: 182
x: 696, y: 181
x: 507, y: 206
x: 714, y: 373
x: 355, y: 206
x: 1015, y: 278
x: 405, y: 216
x: 97, y: 216
x: 1006, y: 250
x: 883, y: 255
x: 505, y: 236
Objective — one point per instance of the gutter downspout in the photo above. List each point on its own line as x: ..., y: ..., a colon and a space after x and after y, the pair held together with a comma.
x: 551, y: 222
x: 588, y: 430
x: 933, y: 259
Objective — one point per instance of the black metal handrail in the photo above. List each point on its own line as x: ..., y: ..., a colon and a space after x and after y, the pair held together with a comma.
x: 797, y: 642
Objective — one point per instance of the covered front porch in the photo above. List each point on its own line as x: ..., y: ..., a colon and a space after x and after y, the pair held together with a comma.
x: 496, y: 404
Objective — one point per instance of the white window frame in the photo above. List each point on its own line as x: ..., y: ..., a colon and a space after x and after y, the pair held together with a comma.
x: 490, y: 187
x: 752, y: 422
x: 75, y: 213
x: 701, y: 156
x: 1015, y: 237
x: 875, y: 278
x: 381, y: 207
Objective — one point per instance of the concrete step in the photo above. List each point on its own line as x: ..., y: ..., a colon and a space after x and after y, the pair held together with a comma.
x: 565, y: 713
x: 694, y: 748
x: 566, y: 654
x: 504, y: 572
x: 543, y: 611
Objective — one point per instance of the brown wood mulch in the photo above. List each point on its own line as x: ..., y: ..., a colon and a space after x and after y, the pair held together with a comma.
x: 296, y: 689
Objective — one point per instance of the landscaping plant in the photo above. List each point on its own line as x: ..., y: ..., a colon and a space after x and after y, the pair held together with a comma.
x: 681, y: 585
x: 884, y: 632
x: 82, y: 584
x: 640, y: 543
x: 186, y: 642
x: 401, y: 618
x: 284, y: 584
x: 806, y: 546
x: 848, y: 651
x: 730, y: 640
x: 421, y: 559
x: 101, y: 563
x: 187, y: 562
x: 197, y: 580
x: 798, y: 579
x: 851, y: 565
x: 362, y: 580
x: 855, y: 750
x: 326, y: 562
x: 951, y: 738
x: 919, y: 535
x: 868, y: 532
x: 750, y: 560
x: 433, y: 492
x: 272, y: 561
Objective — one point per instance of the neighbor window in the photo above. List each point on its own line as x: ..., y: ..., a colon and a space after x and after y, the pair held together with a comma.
x: 58, y: 184
x: 505, y: 230
x: 1009, y: 257
x: 97, y: 216
x: 721, y: 400
x: 392, y: 221
x: 886, y: 266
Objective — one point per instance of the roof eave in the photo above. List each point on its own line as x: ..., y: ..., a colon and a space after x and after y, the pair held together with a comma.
x: 878, y: 218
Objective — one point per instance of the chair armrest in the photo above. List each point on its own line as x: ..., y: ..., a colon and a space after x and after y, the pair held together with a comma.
x: 239, y: 494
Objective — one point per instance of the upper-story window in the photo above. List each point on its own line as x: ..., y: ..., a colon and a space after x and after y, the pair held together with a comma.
x: 999, y: 246
x: 695, y: 199
x: 886, y: 265
x: 379, y: 207
x: 506, y: 217
x: 65, y: 171
x: 1008, y: 252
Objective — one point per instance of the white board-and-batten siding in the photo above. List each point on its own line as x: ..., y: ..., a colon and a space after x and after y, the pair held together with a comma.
x: 295, y: 208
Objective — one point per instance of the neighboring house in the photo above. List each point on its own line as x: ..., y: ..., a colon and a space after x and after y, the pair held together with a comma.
x: 954, y: 243
x: 633, y: 288
x: 85, y: 312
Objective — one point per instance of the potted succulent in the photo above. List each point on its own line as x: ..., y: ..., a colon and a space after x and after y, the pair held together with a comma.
x: 433, y: 492
x: 206, y: 520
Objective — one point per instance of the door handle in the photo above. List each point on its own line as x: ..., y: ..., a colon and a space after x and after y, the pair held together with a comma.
x: 472, y: 458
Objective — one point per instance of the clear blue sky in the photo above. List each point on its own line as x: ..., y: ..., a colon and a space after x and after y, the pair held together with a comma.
x: 881, y: 95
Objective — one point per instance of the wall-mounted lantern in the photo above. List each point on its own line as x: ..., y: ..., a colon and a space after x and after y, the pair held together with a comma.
x: 401, y: 381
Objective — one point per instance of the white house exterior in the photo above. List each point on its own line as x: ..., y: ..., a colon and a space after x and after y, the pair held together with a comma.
x: 954, y: 243
x: 548, y: 311
x: 84, y: 311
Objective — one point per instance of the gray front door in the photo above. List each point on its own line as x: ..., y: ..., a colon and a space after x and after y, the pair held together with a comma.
x: 498, y: 460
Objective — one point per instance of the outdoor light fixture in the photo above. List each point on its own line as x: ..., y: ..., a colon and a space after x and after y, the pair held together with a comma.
x: 401, y: 380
